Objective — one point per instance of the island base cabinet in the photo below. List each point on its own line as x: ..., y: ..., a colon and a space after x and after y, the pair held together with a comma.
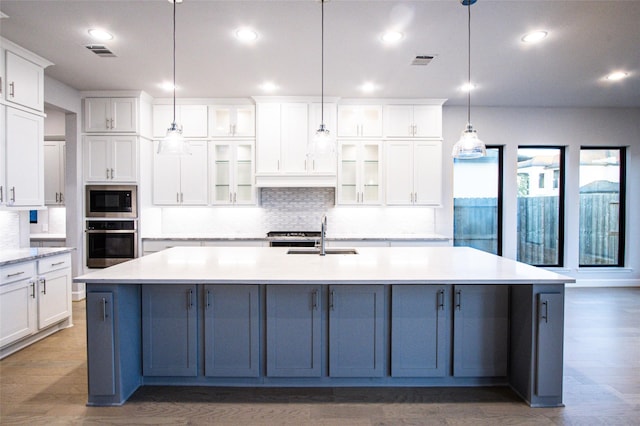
x: 549, y: 344
x: 481, y: 330
x: 101, y: 344
x: 356, y: 331
x: 232, y: 328
x: 294, y: 331
x: 169, y: 330
x: 420, y: 330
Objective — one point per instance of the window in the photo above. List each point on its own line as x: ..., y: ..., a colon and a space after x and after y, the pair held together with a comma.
x: 602, y: 206
x: 477, y: 202
x: 540, y: 210
x: 541, y: 180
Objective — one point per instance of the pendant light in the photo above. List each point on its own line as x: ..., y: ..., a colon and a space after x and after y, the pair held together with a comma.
x: 173, y: 142
x: 322, y: 144
x: 469, y: 145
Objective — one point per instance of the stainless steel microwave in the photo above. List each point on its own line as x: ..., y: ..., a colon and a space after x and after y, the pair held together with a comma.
x: 107, y: 201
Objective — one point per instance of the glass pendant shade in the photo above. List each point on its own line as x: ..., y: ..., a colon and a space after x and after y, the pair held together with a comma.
x: 322, y: 144
x: 469, y: 145
x: 173, y: 143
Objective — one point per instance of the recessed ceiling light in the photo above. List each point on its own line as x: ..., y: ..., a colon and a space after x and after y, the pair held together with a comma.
x: 368, y: 87
x: 467, y: 87
x: 617, y: 75
x: 99, y: 34
x: 167, y: 85
x: 534, y: 36
x: 246, y: 35
x: 269, y: 86
x: 391, y: 37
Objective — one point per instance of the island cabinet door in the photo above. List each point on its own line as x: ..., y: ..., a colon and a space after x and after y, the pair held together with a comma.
x: 420, y: 329
x: 294, y: 331
x: 356, y: 331
x: 100, y: 344
x: 169, y: 330
x: 481, y: 330
x: 231, y: 331
x: 549, y: 344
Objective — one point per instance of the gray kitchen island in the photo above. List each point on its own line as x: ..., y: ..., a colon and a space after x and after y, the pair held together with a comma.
x: 264, y: 317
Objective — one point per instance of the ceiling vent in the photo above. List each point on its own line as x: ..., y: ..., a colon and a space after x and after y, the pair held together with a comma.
x: 422, y: 60
x: 100, y: 50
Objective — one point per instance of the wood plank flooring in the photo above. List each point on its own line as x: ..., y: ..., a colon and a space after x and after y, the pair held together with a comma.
x: 46, y: 384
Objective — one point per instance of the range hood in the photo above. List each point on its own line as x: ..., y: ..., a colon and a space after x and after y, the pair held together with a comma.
x: 296, y: 180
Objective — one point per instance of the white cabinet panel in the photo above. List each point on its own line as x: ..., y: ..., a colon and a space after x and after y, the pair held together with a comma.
x: 54, y: 173
x: 192, y: 118
x: 181, y: 180
x: 268, y: 138
x: 110, y: 115
x: 24, y: 82
x: 232, y: 121
x: 111, y: 158
x: 294, y: 135
x: 232, y: 173
x: 413, y: 121
x: 360, y: 121
x: 359, y: 175
x: 414, y: 173
x: 18, y: 310
x: 24, y: 159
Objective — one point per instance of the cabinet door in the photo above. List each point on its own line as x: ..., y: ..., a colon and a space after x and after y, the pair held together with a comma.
x: 371, y: 116
x: 3, y: 155
x: 398, y: 121
x: 245, y: 121
x: 427, y: 121
x: 162, y: 119
x: 166, y: 178
x: 370, y: 175
x: 97, y: 155
x: 294, y: 136
x: 481, y: 323
x: 53, y: 172
x: 54, y: 298
x: 193, y: 175
x: 244, y: 174
x: 25, y: 164
x: 356, y: 331
x: 420, y: 318
x: 349, y: 121
x: 193, y: 119
x: 97, y: 114
x: 348, y: 160
x: 427, y: 173
x: 221, y: 120
x: 101, y: 344
x: 231, y: 331
x: 124, y: 159
x: 400, y: 174
x: 222, y: 173
x: 548, y: 369
x: 294, y: 340
x: 17, y: 311
x: 24, y: 82
x: 169, y: 330
x: 123, y: 115
x: 268, y: 138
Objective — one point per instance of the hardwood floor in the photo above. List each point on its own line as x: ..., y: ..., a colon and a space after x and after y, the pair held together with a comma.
x: 46, y: 384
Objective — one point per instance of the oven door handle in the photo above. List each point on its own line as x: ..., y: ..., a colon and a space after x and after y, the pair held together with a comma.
x: 116, y: 231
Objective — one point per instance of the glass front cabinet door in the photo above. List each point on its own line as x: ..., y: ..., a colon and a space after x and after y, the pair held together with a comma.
x: 232, y: 174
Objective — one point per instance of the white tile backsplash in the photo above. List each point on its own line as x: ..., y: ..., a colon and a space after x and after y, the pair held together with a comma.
x: 288, y: 209
x: 9, y: 230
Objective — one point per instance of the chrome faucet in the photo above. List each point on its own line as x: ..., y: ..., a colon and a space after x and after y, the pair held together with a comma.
x: 323, y: 232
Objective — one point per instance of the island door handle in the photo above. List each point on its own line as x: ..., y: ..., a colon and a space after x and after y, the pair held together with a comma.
x: 459, y: 300
x: 43, y: 281
x: 189, y: 299
x: 441, y: 299
x: 208, y: 301
x: 314, y: 300
x: 544, y: 315
x: 103, y: 302
x: 332, y: 297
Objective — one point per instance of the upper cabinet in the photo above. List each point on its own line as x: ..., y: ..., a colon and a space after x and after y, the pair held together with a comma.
x: 24, y: 82
x: 237, y: 121
x: 232, y: 174
x: 192, y: 118
x: 110, y: 115
x: 364, y: 121
x: 181, y: 179
x: 414, y: 173
x: 111, y: 159
x: 413, y: 121
x: 54, y: 173
x: 360, y: 173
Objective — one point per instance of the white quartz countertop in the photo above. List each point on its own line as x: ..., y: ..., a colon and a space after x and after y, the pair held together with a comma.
x: 11, y: 256
x: 330, y: 237
x: 265, y: 265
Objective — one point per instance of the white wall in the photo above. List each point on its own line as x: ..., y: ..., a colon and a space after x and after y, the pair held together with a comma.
x: 570, y: 127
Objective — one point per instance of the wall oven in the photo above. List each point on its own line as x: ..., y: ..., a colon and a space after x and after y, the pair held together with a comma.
x: 110, y: 242
x: 108, y: 201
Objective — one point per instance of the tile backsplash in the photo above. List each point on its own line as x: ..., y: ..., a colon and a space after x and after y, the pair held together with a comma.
x: 9, y: 230
x: 287, y: 209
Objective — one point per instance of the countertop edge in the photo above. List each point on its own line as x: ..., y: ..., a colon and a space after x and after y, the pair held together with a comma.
x: 40, y: 253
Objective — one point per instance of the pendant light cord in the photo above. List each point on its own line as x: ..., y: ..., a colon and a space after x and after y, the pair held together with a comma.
x: 469, y: 64
x: 322, y: 68
x: 174, y: 63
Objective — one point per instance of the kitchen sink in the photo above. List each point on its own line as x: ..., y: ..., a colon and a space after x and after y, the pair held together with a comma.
x: 316, y: 251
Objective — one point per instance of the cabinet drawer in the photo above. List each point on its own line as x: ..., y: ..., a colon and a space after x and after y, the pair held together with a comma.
x: 20, y: 271
x: 54, y: 263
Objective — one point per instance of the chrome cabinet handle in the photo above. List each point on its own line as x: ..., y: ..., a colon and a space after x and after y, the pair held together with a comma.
x: 230, y: 198
x: 13, y: 194
x: 57, y: 198
x: 208, y: 300
x: 104, y: 308
x: 112, y: 127
x: 189, y: 299
x: 1, y: 196
x: 314, y: 300
x: 545, y: 316
x: 235, y: 197
x: 61, y: 198
x: 12, y: 89
x: 106, y: 125
x: 33, y: 289
x: 57, y: 263
x: 177, y: 197
x: 278, y: 164
x: 441, y: 299
x: 111, y: 173
x: 332, y: 297
x: 459, y: 300
x: 43, y: 281
x: 107, y: 173
x: 181, y: 198
x: 15, y: 274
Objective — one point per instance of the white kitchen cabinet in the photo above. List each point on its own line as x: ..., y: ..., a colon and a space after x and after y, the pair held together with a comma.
x: 268, y: 138
x: 54, y: 161
x: 181, y: 180
x: 24, y: 82
x: 110, y: 115
x: 412, y: 121
x: 3, y: 154
x: 323, y: 163
x: 232, y: 172
x: 359, y: 175
x: 192, y: 118
x: 232, y: 121
x: 24, y: 167
x: 414, y: 173
x: 364, y: 121
x: 18, y: 302
x: 111, y: 158
x: 54, y: 286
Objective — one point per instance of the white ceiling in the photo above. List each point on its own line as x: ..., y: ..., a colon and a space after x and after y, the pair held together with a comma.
x: 587, y: 40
